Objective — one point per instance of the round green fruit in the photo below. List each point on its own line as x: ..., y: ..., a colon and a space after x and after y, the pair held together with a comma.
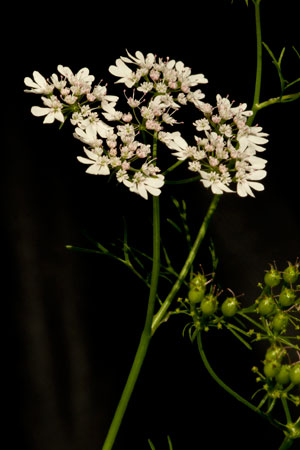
x: 271, y: 369
x: 209, y: 305
x: 266, y: 306
x: 198, y: 281
x: 196, y: 295
x: 295, y: 374
x: 274, y: 353
x: 283, y: 376
x: 272, y: 278
x: 291, y: 274
x: 280, y: 321
x: 287, y: 297
x: 230, y: 307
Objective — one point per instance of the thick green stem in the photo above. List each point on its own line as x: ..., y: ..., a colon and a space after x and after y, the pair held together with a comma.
x: 145, y: 336
x: 160, y: 315
x: 258, y: 61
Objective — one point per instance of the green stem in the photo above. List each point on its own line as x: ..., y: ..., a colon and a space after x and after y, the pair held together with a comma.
x: 160, y: 315
x: 225, y: 386
x: 287, y: 443
x: 282, y: 99
x: 258, y: 61
x: 145, y: 336
x: 286, y: 410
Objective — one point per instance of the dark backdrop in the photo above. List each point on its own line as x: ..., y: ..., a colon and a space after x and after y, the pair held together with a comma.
x: 72, y: 321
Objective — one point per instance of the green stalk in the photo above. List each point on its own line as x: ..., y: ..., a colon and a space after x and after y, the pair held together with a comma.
x: 160, y: 315
x: 145, y: 336
x: 258, y: 61
x: 226, y: 387
x: 287, y: 443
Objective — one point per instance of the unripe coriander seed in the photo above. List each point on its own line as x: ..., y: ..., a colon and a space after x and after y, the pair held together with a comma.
x: 266, y: 306
x: 272, y: 278
x: 229, y: 307
x: 209, y: 305
x: 196, y: 295
x: 287, y: 297
x: 295, y: 373
x: 291, y: 274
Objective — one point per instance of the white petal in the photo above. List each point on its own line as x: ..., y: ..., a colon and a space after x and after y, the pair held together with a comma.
x: 38, y: 111
x: 49, y: 118
x: 256, y: 186
x: 142, y: 191
x: 241, y: 191
x: 29, y: 82
x: 257, y: 175
x: 84, y: 160
x: 155, y: 192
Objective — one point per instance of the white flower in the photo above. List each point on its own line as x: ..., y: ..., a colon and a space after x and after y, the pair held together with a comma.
x: 195, y: 97
x: 252, y: 138
x: 215, y: 182
x: 126, y: 75
x: 175, y: 141
x: 89, y: 135
x: 140, y: 60
x: 100, y: 92
x: 245, y: 182
x: 52, y: 110
x: 194, y: 166
x: 110, y: 113
x: 141, y: 184
x: 39, y: 85
x: 98, y: 164
x: 82, y: 76
x: 202, y: 124
x: 145, y: 87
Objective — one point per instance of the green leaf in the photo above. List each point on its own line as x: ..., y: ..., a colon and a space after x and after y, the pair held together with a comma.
x: 292, y: 83
x: 174, y: 225
x: 170, y: 443
x: 277, y: 64
x: 297, y: 53
x: 151, y: 445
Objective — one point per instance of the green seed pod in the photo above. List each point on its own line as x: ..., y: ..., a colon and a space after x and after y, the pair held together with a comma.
x: 271, y: 369
x: 287, y: 297
x: 295, y: 374
x: 280, y: 321
x: 266, y: 306
x: 209, y: 305
x: 283, y: 376
x: 291, y: 274
x: 196, y: 295
x: 230, y: 307
x: 272, y: 277
x: 274, y: 353
x: 198, y: 281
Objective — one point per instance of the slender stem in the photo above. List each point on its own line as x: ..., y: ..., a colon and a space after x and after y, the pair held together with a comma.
x: 258, y: 61
x: 287, y: 443
x: 286, y: 410
x: 174, y: 166
x: 145, y: 336
x: 225, y: 386
x: 160, y: 315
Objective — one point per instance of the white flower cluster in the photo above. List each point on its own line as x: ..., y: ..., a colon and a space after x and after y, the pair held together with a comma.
x: 164, y: 86
x: 225, y: 152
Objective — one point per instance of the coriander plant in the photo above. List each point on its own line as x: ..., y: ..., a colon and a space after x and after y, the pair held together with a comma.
x: 158, y: 130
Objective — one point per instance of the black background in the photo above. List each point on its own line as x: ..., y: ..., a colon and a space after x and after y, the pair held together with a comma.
x: 72, y: 321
